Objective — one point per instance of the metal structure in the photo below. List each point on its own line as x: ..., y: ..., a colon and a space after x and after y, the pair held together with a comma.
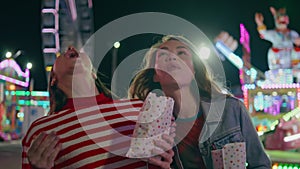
x: 64, y: 23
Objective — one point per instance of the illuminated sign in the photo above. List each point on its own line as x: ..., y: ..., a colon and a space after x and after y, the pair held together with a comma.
x: 11, y: 72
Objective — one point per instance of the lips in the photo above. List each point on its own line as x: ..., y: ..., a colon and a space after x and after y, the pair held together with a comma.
x: 172, y: 67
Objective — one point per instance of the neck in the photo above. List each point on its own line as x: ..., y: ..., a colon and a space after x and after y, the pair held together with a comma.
x: 80, y: 87
x: 185, y: 105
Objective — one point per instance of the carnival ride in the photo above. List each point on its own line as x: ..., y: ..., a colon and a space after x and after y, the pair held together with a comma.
x: 64, y: 23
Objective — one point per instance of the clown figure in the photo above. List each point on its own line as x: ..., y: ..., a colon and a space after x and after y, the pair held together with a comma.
x: 284, y: 53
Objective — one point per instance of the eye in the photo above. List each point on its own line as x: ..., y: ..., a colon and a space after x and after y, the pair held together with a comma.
x: 162, y: 53
x: 180, y: 53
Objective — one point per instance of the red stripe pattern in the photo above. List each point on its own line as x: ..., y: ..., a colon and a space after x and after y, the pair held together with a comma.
x: 95, y: 136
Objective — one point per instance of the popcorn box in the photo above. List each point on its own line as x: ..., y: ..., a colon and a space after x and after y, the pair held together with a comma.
x: 153, y: 121
x: 231, y: 156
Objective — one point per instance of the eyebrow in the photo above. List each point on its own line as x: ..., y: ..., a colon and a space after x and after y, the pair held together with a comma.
x: 178, y: 47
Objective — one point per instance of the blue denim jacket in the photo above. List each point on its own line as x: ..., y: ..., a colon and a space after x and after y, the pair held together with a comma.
x: 228, y: 121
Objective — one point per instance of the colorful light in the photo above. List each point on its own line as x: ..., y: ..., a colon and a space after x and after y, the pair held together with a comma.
x: 234, y: 59
x: 245, y: 38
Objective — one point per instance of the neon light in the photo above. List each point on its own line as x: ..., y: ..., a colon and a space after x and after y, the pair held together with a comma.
x: 47, y: 10
x: 15, y: 81
x: 245, y: 93
x: 90, y: 3
x: 291, y: 137
x: 280, y: 86
x: 298, y: 97
x: 57, y: 42
x: 234, y: 59
x: 245, y: 38
x: 49, y: 30
x: 12, y: 63
x: 39, y: 93
x: 73, y: 9
x: 33, y: 102
x: 50, y: 50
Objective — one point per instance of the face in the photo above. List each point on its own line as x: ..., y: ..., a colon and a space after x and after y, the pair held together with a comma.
x: 282, y: 21
x: 173, y: 64
x: 72, y: 63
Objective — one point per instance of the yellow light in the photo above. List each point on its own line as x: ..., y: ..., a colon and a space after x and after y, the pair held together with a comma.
x: 12, y: 87
x: 48, y: 68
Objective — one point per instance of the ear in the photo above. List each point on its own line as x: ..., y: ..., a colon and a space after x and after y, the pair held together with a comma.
x: 53, y: 80
x: 273, y: 10
x: 94, y: 75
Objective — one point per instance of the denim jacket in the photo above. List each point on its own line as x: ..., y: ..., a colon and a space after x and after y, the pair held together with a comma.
x: 228, y: 121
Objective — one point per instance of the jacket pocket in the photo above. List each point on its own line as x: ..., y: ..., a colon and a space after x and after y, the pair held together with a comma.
x: 232, y: 136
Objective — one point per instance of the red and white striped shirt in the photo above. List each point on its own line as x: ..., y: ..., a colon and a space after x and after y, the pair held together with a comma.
x: 94, y: 132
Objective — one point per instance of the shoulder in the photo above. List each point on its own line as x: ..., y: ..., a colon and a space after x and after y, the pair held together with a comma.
x: 41, y: 124
x: 125, y: 101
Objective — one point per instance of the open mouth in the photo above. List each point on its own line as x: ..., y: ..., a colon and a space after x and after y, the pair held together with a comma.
x: 71, y: 53
x: 282, y: 22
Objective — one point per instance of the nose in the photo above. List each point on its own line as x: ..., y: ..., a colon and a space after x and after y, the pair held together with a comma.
x: 171, y: 57
x: 71, y: 48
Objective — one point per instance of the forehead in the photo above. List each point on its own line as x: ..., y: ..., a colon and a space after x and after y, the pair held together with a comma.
x: 173, y: 44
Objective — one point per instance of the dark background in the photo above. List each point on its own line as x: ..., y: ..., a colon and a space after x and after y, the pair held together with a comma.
x: 20, y: 26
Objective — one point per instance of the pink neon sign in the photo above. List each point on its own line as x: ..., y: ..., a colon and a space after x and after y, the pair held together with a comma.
x: 12, y: 63
x: 245, y: 38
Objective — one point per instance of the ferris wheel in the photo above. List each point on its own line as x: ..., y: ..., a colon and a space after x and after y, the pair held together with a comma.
x: 64, y: 23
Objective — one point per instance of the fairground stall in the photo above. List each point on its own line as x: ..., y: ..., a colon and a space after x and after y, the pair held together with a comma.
x: 273, y: 101
x: 19, y: 105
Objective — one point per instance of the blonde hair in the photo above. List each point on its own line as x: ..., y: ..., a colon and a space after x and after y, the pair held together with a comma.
x: 143, y: 82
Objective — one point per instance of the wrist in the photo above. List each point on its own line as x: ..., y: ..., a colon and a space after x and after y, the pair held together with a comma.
x: 261, y: 27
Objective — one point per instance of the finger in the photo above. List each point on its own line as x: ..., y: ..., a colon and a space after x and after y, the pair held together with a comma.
x: 166, y: 156
x: 224, y: 36
x: 36, y: 142
x: 163, y: 145
x: 48, y: 150
x: 54, y: 154
x: 220, y: 36
x: 233, y: 45
x: 169, y: 139
x: 46, y: 143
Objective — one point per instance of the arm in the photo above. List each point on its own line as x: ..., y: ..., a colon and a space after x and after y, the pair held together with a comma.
x: 259, y: 20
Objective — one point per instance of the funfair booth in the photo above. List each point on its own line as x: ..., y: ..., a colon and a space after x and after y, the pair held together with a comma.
x: 19, y: 105
x: 273, y: 101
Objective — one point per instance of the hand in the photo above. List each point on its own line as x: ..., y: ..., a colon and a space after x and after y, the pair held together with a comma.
x: 43, y: 150
x: 297, y: 42
x: 165, y: 157
x: 259, y: 19
x: 228, y: 40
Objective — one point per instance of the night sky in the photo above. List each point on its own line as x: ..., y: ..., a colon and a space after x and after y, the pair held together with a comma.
x: 20, y: 26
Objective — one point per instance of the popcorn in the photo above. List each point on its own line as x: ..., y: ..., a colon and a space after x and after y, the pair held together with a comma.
x: 153, y: 121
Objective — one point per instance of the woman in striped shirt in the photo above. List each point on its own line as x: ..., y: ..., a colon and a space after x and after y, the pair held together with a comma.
x: 85, y: 128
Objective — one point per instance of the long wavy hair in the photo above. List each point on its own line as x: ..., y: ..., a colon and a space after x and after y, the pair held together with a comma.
x: 143, y: 82
x: 58, y: 98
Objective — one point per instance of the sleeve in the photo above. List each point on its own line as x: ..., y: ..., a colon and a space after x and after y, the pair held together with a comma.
x: 256, y: 156
x: 25, y: 146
